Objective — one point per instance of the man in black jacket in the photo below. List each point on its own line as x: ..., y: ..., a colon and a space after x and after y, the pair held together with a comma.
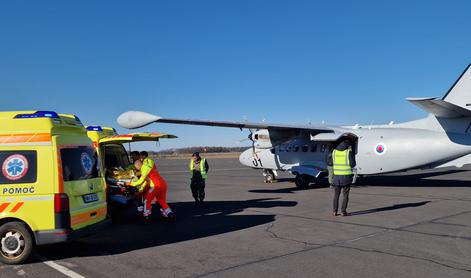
x: 343, y: 161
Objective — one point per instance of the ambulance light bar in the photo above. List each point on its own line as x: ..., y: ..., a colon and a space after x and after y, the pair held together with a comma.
x: 38, y: 114
x: 94, y: 128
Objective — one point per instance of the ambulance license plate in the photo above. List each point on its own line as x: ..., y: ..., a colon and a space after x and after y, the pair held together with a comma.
x: 90, y: 198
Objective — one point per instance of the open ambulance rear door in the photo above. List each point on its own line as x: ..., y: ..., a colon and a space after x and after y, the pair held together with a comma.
x: 115, y: 156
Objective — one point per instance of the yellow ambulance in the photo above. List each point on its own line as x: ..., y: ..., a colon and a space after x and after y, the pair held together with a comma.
x: 110, y: 147
x: 51, y: 183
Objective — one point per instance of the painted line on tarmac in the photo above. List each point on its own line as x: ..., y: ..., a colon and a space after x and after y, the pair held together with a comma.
x: 212, y: 170
x: 62, y: 269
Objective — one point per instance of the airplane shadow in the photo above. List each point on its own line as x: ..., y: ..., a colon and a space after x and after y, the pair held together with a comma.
x: 322, y: 183
x: 388, y: 208
x: 398, y: 180
x: 214, y: 218
x: 280, y: 180
x: 415, y: 180
x: 283, y: 190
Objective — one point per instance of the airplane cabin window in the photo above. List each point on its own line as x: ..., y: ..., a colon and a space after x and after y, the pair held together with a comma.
x: 323, y: 148
x: 314, y: 148
x: 296, y: 149
x: 305, y: 148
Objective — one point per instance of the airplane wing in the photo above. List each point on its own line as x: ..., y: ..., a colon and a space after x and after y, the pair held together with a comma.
x: 137, y: 119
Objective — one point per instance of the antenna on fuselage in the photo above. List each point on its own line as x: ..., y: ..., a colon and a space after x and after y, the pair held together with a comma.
x: 371, y: 123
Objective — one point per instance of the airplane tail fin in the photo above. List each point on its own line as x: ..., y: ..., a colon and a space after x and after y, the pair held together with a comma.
x: 460, y: 93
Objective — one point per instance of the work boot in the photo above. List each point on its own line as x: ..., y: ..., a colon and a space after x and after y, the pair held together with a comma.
x: 335, y: 213
x: 344, y: 213
x: 146, y: 219
x: 170, y: 217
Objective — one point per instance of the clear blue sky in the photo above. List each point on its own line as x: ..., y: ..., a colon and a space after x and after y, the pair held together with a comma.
x: 283, y: 61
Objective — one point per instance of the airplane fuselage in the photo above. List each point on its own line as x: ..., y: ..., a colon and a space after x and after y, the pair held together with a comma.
x: 381, y: 149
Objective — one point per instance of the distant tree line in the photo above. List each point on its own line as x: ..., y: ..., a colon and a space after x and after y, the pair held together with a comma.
x: 205, y: 149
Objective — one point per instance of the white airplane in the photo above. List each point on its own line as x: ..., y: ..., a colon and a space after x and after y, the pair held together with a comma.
x: 442, y: 139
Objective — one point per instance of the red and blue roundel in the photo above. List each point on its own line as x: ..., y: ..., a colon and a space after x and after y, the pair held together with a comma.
x: 15, y: 167
x: 380, y: 149
x: 87, y: 163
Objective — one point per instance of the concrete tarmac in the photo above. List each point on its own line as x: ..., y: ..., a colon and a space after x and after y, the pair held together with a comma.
x: 416, y: 224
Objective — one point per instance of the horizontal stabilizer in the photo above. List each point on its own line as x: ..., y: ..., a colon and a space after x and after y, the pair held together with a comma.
x: 440, y: 108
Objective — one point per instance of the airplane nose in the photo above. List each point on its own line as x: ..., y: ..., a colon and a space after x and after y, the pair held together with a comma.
x: 245, y: 158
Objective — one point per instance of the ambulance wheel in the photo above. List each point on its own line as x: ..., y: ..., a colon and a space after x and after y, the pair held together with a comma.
x: 301, y: 181
x: 16, y: 243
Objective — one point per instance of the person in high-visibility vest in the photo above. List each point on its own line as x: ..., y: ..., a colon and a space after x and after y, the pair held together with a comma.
x: 199, y: 174
x: 343, y: 160
x: 152, y: 186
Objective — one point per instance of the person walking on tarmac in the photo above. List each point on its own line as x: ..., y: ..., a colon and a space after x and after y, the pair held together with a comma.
x: 152, y: 185
x: 199, y: 174
x: 343, y: 161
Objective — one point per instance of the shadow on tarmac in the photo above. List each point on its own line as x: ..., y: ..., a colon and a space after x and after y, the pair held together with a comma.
x: 393, y: 207
x: 415, y: 180
x: 322, y: 183
x: 215, y: 217
x: 398, y: 180
x: 284, y: 190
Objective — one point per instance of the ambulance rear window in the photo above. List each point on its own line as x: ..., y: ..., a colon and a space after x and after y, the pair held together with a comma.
x: 79, y: 163
x: 18, y: 167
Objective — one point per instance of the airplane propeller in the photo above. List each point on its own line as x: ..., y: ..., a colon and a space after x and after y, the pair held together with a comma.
x: 250, y: 137
x: 252, y: 131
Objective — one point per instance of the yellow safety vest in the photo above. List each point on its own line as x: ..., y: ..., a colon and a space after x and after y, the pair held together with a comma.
x: 341, y: 161
x: 202, y: 168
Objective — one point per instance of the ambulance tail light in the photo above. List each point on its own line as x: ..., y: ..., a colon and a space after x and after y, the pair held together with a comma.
x: 61, y: 202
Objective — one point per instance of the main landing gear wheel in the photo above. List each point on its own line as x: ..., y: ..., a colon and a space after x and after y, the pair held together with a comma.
x: 16, y: 243
x: 301, y: 181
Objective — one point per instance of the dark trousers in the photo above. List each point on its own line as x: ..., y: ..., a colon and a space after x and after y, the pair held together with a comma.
x: 197, y: 189
x: 346, y: 191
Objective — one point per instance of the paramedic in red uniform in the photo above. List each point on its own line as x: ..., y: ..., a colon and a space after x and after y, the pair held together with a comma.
x: 152, y: 185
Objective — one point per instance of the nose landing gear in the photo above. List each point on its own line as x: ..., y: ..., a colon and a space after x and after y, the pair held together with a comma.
x: 269, y: 176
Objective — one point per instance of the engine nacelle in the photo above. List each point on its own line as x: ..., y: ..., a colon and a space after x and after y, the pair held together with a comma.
x: 266, y: 139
